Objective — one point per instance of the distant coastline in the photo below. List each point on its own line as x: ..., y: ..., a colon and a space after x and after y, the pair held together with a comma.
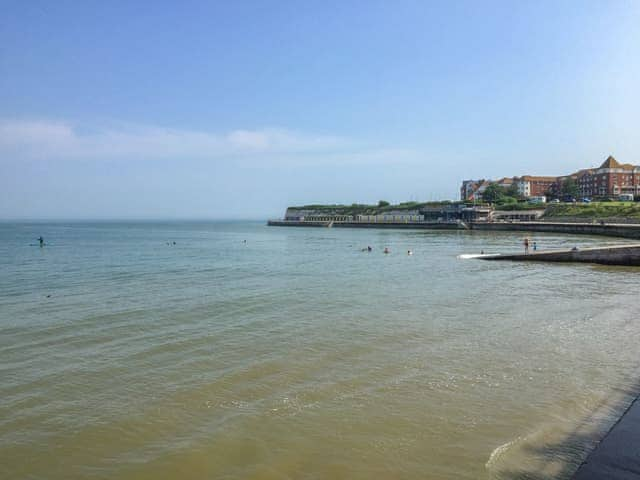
x: 616, y: 219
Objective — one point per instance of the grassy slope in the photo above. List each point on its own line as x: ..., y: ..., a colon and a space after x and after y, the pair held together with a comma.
x: 590, y: 210
x: 520, y: 206
x: 362, y: 209
x: 594, y: 210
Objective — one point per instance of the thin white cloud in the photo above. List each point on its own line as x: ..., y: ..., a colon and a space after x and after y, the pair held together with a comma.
x: 56, y: 139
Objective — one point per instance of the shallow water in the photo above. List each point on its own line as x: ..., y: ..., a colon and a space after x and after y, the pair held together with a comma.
x: 296, y: 355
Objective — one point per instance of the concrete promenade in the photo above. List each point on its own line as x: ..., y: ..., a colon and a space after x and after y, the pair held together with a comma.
x: 627, y: 255
x: 617, y: 456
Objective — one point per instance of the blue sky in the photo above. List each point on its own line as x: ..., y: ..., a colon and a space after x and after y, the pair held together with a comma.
x: 238, y: 109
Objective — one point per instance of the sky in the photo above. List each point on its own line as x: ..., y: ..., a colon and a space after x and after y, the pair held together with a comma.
x: 127, y: 110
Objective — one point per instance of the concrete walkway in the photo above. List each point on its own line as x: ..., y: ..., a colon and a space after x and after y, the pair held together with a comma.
x: 617, y: 457
x: 628, y: 255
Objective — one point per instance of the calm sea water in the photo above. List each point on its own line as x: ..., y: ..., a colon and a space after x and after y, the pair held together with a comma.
x: 297, y: 355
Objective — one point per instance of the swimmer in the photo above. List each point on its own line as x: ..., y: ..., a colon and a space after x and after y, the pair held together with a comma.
x: 409, y: 252
x: 386, y: 250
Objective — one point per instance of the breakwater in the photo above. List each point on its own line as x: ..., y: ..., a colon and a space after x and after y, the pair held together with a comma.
x: 628, y: 255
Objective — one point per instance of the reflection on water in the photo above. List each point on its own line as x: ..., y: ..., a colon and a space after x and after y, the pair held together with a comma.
x: 297, y: 355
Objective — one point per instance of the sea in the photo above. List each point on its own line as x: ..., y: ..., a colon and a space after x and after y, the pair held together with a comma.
x: 233, y: 350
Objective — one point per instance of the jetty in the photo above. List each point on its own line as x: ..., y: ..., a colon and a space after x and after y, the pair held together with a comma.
x: 627, y: 255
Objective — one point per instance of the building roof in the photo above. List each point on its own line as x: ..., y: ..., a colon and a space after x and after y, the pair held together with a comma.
x: 610, y: 162
x: 537, y: 178
x: 505, y: 181
x: 583, y: 172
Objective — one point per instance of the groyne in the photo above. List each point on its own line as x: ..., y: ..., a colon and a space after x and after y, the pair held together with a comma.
x: 627, y: 255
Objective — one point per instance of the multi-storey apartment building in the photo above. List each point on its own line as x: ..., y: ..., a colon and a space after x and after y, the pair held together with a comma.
x: 535, y: 186
x: 609, y: 180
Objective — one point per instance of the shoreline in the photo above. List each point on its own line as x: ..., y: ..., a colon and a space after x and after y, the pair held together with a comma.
x: 616, y: 456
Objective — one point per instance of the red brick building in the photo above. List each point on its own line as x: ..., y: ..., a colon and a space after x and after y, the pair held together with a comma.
x: 611, y: 179
x: 535, y: 186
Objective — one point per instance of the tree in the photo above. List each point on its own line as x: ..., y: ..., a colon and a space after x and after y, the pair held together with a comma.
x: 551, y: 193
x: 570, y: 188
x: 512, y: 191
x: 383, y: 203
x: 493, y: 193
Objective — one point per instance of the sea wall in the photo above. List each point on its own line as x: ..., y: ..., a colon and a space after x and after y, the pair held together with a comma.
x: 563, y: 219
x: 295, y: 223
x: 410, y: 225
x: 613, y: 230
x: 617, y: 456
x: 396, y: 225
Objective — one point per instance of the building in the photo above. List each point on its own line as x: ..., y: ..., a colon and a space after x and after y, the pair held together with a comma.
x: 311, y: 215
x: 393, y: 216
x: 506, y: 182
x: 611, y: 179
x: 535, y: 186
x: 469, y: 189
x: 456, y: 212
x: 516, y: 215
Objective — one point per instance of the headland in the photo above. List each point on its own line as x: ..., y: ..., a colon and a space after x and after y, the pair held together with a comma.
x: 614, y: 219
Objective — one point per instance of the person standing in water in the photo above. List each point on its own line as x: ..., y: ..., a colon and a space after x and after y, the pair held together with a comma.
x: 535, y: 246
x: 526, y: 245
x: 41, y: 241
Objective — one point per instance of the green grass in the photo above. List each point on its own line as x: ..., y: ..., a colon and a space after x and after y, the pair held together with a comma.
x: 585, y: 210
x: 364, y: 209
x: 521, y: 206
x: 594, y: 210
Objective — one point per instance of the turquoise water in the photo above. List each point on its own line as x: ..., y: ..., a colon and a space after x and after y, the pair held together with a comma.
x: 296, y: 355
